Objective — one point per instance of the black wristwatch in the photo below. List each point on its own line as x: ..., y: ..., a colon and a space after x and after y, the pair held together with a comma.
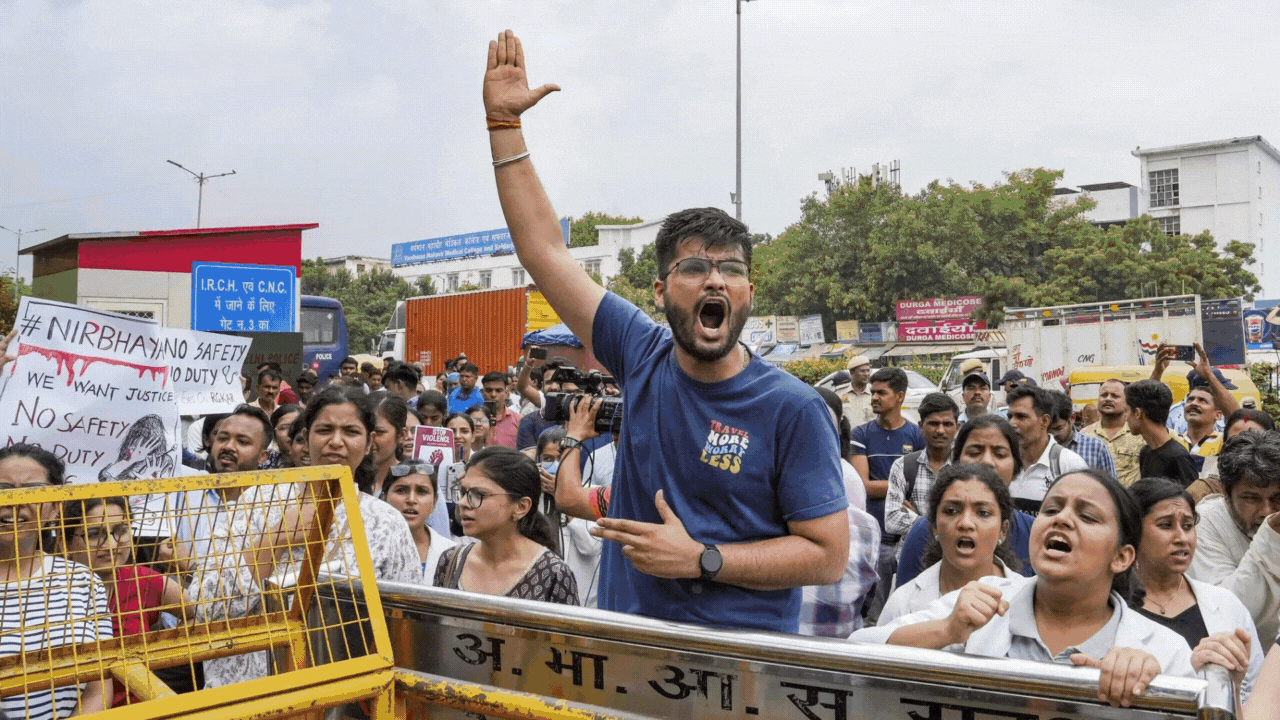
x: 569, y: 443
x: 710, y: 562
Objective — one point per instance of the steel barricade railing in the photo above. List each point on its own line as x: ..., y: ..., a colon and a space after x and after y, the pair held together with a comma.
x: 641, y: 666
x: 258, y: 546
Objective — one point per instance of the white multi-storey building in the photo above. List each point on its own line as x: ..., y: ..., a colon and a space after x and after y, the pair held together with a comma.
x: 504, y: 271
x: 1117, y: 202
x: 1229, y: 187
x: 357, y: 265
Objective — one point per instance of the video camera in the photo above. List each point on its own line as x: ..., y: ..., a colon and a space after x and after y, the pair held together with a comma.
x: 560, y: 404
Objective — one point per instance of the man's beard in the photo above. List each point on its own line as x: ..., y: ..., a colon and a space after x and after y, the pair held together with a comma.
x: 684, y: 331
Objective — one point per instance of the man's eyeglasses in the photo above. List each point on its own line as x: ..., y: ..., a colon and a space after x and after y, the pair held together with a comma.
x: 474, y: 497
x: 97, y: 536
x: 696, y: 269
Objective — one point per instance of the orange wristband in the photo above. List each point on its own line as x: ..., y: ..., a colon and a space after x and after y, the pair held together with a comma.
x: 494, y: 124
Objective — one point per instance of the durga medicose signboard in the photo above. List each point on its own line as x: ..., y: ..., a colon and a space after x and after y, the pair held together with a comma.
x: 940, y: 331
x: 103, y: 391
x: 958, y: 308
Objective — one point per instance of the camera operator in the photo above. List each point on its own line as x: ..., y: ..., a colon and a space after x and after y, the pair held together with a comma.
x: 729, y: 495
x: 585, y: 500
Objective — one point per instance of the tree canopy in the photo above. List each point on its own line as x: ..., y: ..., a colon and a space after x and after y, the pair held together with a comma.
x: 583, y: 232
x: 857, y: 252
x: 367, y: 300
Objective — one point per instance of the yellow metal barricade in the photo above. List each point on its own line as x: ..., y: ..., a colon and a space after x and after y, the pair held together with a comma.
x: 234, y: 560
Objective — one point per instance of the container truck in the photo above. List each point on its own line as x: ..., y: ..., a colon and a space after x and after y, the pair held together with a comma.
x: 1046, y: 343
x: 487, y: 325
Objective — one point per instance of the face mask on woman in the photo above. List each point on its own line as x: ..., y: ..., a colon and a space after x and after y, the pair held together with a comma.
x: 551, y: 467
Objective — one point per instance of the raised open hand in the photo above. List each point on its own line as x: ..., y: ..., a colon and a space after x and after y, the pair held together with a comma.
x: 506, y: 85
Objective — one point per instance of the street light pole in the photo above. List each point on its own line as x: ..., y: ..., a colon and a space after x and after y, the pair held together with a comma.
x: 17, y: 255
x: 201, y: 179
x: 737, y: 196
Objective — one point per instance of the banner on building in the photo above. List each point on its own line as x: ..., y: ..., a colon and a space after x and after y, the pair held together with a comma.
x: 811, y: 332
x: 939, y: 331
x: 846, y: 331
x: 452, y: 247
x: 957, y: 308
x: 95, y: 388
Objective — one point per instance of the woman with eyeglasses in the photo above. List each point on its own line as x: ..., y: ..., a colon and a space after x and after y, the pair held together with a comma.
x: 412, y: 489
x: 46, y: 601
x: 97, y: 533
x: 497, y: 503
x: 481, y: 424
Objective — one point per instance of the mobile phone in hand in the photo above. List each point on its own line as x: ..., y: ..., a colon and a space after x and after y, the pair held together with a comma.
x: 538, y: 353
x: 1185, y: 353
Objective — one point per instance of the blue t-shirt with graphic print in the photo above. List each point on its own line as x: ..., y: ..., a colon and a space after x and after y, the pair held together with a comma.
x: 736, y: 461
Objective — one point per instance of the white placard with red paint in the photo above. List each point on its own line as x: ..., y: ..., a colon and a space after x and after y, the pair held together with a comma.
x: 436, y: 446
x: 93, y: 387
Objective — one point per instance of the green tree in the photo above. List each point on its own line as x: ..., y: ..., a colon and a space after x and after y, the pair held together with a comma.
x: 857, y: 252
x: 368, y: 300
x: 424, y: 286
x: 8, y: 305
x: 583, y: 232
x: 635, y: 282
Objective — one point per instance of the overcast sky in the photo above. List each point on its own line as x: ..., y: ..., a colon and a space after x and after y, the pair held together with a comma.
x: 365, y: 115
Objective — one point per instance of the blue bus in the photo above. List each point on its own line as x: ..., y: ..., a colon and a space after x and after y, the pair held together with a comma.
x: 324, y: 335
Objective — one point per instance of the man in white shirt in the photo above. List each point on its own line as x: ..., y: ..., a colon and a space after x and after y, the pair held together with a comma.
x: 1238, y: 537
x: 1044, y: 460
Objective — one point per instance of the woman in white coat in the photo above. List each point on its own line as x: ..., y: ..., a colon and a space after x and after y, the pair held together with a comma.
x: 1075, y: 611
x: 1193, y: 609
x: 969, y: 513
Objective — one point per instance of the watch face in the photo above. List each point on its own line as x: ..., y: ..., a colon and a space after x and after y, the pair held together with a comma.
x: 711, y: 561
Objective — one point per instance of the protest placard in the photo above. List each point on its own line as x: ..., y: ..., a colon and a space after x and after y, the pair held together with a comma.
x: 205, y: 368
x: 94, y: 388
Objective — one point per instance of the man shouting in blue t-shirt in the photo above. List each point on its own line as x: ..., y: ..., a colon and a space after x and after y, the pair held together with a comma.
x: 727, y: 494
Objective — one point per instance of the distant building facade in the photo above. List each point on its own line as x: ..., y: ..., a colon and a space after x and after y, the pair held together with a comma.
x: 1229, y: 187
x: 1117, y: 202
x: 505, y: 271
x: 357, y: 265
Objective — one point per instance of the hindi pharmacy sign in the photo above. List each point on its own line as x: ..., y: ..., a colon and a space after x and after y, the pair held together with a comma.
x: 243, y: 298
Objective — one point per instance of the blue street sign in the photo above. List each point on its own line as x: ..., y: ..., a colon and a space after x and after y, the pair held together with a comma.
x: 243, y: 298
x: 489, y: 242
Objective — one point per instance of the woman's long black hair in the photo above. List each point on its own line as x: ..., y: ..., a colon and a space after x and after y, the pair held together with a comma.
x: 517, y: 474
x: 950, y: 475
x: 365, y: 473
